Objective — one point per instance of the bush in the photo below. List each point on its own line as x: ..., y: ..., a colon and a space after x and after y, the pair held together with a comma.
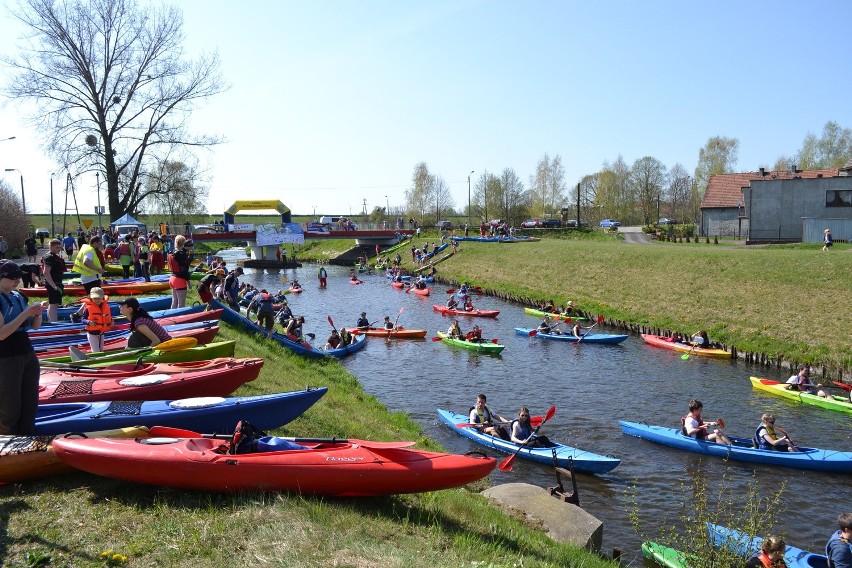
x: 14, y: 231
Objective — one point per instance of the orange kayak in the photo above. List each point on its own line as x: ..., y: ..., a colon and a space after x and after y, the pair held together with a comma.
x: 118, y: 289
x: 399, y: 333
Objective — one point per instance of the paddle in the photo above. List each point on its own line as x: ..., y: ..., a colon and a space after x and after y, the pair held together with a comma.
x: 532, y: 332
x: 685, y: 356
x: 437, y: 338
x: 506, y: 464
x: 535, y: 421
x: 331, y: 321
x: 786, y: 435
x: 388, y: 338
x: 600, y: 320
x: 167, y: 431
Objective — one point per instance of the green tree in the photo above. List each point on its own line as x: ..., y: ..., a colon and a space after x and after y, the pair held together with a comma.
x: 419, y: 198
x: 548, y: 186
x: 678, y: 194
x: 648, y: 178
x: 112, y: 88
x: 831, y: 150
x: 513, y: 199
x: 13, y: 231
x: 718, y: 156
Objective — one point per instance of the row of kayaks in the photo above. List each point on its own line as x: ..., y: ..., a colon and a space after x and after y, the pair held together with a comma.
x: 740, y: 544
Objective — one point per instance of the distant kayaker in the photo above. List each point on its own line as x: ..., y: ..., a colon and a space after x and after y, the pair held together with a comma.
x: 548, y: 307
x: 363, y: 322
x: 482, y: 415
x: 523, y: 432
x: 388, y: 324
x: 802, y: 382
x: 570, y: 309
x: 474, y: 335
x: 454, y: 330
x: 322, y: 274
x: 839, y: 547
x: 700, y: 339
x: 545, y: 327
x: 333, y: 341
x: 771, y: 553
x: 145, y: 331
x: 765, y: 437
x: 468, y: 304
x: 695, y: 427
x: 452, y: 303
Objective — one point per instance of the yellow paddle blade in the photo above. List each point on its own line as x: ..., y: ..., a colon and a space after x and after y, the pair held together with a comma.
x: 177, y: 344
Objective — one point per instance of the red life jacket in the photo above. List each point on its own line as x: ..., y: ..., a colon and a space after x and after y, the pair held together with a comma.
x: 99, y: 317
x: 174, y: 265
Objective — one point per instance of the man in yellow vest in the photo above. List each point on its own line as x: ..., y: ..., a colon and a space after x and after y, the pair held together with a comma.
x: 88, y: 264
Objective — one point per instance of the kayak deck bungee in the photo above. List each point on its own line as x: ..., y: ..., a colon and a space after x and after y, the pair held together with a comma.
x: 562, y: 317
x: 150, y: 304
x: 474, y: 313
x: 213, y: 382
x: 668, y: 343
x: 603, y: 338
x: 743, y: 450
x: 346, y: 468
x: 583, y: 461
x: 484, y: 346
x: 207, y: 414
x: 839, y: 403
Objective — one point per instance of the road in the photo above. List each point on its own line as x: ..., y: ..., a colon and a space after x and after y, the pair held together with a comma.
x: 634, y: 235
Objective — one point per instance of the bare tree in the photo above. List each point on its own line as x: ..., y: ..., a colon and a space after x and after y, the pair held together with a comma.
x: 679, y: 193
x: 419, y: 198
x: 718, y: 156
x: 14, y: 231
x: 111, y: 85
x: 548, y: 185
x: 177, y: 197
x: 443, y: 198
x: 513, y: 197
x: 648, y: 178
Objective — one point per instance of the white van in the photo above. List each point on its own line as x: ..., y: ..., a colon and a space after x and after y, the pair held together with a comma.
x: 329, y: 220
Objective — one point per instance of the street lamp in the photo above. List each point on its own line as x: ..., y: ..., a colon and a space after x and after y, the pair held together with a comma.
x: 468, y: 197
x: 9, y: 138
x: 387, y: 206
x: 98, y: 182
x: 23, y: 199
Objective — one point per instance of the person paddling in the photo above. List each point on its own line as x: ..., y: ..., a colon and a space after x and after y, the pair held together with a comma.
x: 452, y: 303
x: 523, y: 432
x: 695, y: 427
x: 482, y: 415
x: 765, y: 437
x: 455, y: 331
x: 363, y: 322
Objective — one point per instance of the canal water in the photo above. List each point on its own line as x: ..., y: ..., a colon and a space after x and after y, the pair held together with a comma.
x: 592, y: 387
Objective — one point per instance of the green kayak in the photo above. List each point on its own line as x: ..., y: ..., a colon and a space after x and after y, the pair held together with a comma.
x: 486, y: 346
x: 541, y: 314
x: 148, y: 355
x: 663, y: 555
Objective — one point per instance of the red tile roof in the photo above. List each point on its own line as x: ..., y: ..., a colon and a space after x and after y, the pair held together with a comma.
x: 725, y: 190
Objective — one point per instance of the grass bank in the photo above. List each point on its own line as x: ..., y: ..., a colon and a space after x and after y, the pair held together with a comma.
x: 791, y: 302
x: 72, y: 519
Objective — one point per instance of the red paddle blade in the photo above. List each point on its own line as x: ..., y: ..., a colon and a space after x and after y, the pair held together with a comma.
x: 720, y: 422
x: 494, y: 341
x: 600, y: 319
x: 551, y: 412
x: 567, y: 320
x: 331, y: 321
x: 533, y: 333
x: 436, y: 338
x: 506, y: 464
x: 451, y: 290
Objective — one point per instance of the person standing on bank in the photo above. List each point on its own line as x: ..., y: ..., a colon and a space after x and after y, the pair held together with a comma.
x: 179, y: 262
x: 88, y: 264
x: 54, y: 268
x: 19, y: 366
x: 827, y: 240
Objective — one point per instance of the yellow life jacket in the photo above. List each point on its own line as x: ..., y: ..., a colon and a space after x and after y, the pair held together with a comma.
x: 81, y: 268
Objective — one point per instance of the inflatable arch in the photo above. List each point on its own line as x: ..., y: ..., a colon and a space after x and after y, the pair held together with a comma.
x: 258, y: 204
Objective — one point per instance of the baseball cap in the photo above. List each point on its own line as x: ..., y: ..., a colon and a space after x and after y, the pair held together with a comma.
x: 96, y: 292
x: 9, y: 269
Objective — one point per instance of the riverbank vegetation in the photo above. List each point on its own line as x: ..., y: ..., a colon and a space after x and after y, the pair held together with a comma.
x: 70, y: 520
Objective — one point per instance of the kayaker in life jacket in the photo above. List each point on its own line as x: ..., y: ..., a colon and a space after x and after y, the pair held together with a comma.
x: 452, y: 303
x: 474, y: 335
x: 570, y: 309
x: 695, y: 427
x: 522, y: 431
x: 388, y: 324
x: 548, y: 307
x: 482, y: 415
x: 95, y: 313
x: 333, y: 341
x: 262, y: 303
x: 545, y: 327
x: 838, y: 550
x: 771, y: 554
x: 363, y: 322
x: 765, y: 437
x: 345, y: 337
x: 294, y: 328
x: 802, y: 382
x: 468, y: 304
x: 455, y: 331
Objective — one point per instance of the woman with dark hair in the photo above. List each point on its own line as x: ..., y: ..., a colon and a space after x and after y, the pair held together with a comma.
x: 523, y: 433
x: 144, y: 330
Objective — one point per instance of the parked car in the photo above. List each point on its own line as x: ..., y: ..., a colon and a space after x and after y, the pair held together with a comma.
x: 531, y: 223
x: 551, y: 223
x: 609, y: 223
x: 573, y: 223
x: 666, y: 221
x: 444, y: 225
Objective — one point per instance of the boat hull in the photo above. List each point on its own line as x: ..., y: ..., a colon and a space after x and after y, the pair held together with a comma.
x: 667, y: 343
x: 473, y: 313
x: 583, y: 461
x: 335, y: 469
x: 742, y: 450
x: 747, y: 546
x: 400, y: 333
x: 838, y: 403
x: 147, y: 355
x: 560, y: 317
x: 603, y: 338
x: 483, y: 347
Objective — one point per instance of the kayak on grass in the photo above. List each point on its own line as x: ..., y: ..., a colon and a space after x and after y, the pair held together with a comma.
x: 345, y: 468
x: 30, y: 457
x: 586, y: 462
x: 444, y: 310
x: 111, y: 337
x: 50, y: 374
x: 840, y: 403
x: 398, y: 333
x: 150, y: 303
x: 560, y: 317
x: 742, y: 449
x: 605, y: 338
x: 211, y: 414
x: 485, y: 346
x: 669, y: 343
x: 110, y: 289
x: 747, y: 546
x: 164, y: 317
x: 209, y: 382
x: 151, y: 355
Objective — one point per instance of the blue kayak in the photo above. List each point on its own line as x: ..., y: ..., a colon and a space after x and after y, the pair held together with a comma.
x: 49, y: 342
x: 203, y: 414
x: 583, y: 461
x: 747, y: 546
x: 742, y: 449
x: 149, y: 303
x: 605, y: 338
x: 71, y: 327
x: 301, y: 348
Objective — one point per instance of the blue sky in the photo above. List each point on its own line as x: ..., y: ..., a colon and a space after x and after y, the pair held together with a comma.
x: 333, y: 103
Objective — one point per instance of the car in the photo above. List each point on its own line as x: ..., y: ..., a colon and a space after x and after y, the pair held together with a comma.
x: 531, y: 223
x: 666, y: 221
x: 42, y: 232
x: 574, y: 223
x: 609, y: 223
x: 551, y: 223
x: 444, y: 225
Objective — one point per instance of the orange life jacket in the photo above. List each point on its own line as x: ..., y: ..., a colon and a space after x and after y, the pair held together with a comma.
x: 99, y: 317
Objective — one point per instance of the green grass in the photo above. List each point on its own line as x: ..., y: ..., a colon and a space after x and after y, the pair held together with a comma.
x: 793, y: 302
x: 73, y: 518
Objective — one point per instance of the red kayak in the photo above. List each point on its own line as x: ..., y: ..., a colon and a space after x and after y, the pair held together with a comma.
x: 355, y: 281
x: 117, y: 289
x: 203, y: 335
x: 124, y: 370
x: 476, y: 313
x: 295, y: 290
x: 211, y: 382
x: 345, y: 468
x: 419, y: 291
x: 397, y: 285
x: 124, y: 324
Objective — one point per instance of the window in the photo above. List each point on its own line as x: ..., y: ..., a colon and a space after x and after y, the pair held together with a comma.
x: 838, y: 198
